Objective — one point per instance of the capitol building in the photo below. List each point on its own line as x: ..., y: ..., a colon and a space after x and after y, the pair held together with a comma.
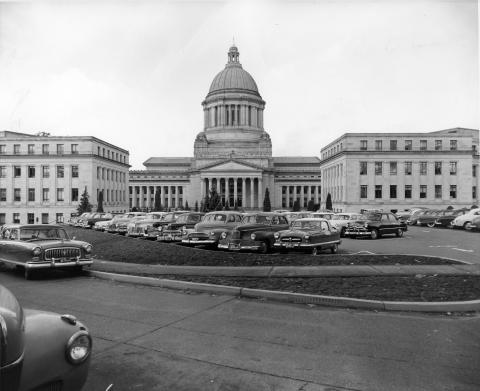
x: 233, y: 154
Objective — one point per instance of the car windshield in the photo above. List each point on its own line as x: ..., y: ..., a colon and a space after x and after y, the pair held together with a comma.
x: 257, y: 219
x: 307, y: 224
x: 29, y: 234
x: 371, y: 216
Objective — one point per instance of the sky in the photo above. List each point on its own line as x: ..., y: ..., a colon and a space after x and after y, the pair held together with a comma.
x: 134, y: 73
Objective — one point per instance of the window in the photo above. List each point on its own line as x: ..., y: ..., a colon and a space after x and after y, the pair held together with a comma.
x: 453, y: 145
x: 60, y: 171
x: 31, y: 194
x: 16, y: 218
x: 30, y: 218
x: 438, y: 168
x: 74, y: 149
x: 16, y: 195
x: 393, y: 168
x: 363, y: 168
x: 474, y: 171
x: 363, y: 191
x: 31, y: 171
x: 423, y: 145
x: 74, y: 171
x: 408, y: 191
x: 438, y: 145
x: 3, y: 149
x: 59, y: 217
x: 423, y: 191
x: 45, y: 194
x: 378, y: 168
x: 44, y: 218
x: 31, y: 149
x: 74, y: 194
x: 16, y: 149
x: 60, y: 194
x: 363, y: 145
x: 378, y: 145
x: 98, y: 172
x: 423, y: 168
x: 474, y: 192
x: 45, y: 149
x: 393, y: 191
x: 378, y: 191
x: 2, y: 218
x: 408, y: 168
x: 438, y: 191
x: 17, y: 171
x: 408, y: 145
x: 453, y: 168
x: 453, y: 191
x: 98, y: 151
x: 3, y: 171
x: 60, y: 149
x: 3, y: 194
x: 393, y: 145
x: 46, y: 171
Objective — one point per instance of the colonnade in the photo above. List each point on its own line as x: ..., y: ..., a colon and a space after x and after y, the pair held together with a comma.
x: 143, y: 196
x: 302, y: 193
x: 246, y: 191
x: 233, y: 115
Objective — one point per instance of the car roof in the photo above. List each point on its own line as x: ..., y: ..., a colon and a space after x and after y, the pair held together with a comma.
x: 310, y: 219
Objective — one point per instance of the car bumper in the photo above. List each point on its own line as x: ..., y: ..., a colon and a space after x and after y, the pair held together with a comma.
x: 240, y: 246
x: 56, y: 264
x: 357, y: 233
x: 199, y: 242
x: 170, y: 237
x: 300, y: 245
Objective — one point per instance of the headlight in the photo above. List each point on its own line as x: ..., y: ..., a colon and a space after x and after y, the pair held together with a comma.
x: 78, y: 347
x: 212, y: 233
x: 184, y: 231
x: 88, y: 248
x: 276, y: 235
x: 253, y: 236
x: 160, y: 228
x: 223, y: 235
x: 306, y: 237
x: 37, y: 251
x: 365, y: 225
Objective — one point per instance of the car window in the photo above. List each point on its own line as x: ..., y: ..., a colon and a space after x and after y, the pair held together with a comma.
x: 324, y: 226
x: 220, y: 218
x: 282, y: 220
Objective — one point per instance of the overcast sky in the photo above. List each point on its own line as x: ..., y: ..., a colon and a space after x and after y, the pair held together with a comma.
x: 135, y: 73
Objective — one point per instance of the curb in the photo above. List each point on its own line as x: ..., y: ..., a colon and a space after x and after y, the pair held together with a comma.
x: 297, y: 298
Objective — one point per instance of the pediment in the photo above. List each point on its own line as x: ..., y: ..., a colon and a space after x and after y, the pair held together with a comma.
x: 231, y: 166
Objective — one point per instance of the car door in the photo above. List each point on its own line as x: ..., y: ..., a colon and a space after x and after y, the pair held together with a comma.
x: 385, y: 224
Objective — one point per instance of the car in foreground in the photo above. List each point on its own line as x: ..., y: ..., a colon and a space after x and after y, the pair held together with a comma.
x: 41, y: 350
x: 207, y: 232
x: 255, y: 233
x: 178, y: 229
x: 309, y: 234
x: 341, y: 220
x: 374, y: 225
x: 464, y: 221
x: 46, y: 246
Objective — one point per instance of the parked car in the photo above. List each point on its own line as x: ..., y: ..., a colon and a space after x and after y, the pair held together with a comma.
x: 167, y: 219
x: 101, y: 225
x: 111, y: 225
x: 292, y: 216
x: 475, y: 224
x: 120, y: 225
x: 428, y: 218
x: 413, y: 218
x: 136, y: 227
x: 374, y: 225
x: 322, y: 215
x: 446, y: 219
x: 255, y: 233
x: 208, y: 231
x: 464, y: 221
x: 41, y: 350
x: 90, y: 221
x: 46, y: 246
x: 77, y: 221
x: 181, y: 227
x: 340, y: 221
x: 308, y: 234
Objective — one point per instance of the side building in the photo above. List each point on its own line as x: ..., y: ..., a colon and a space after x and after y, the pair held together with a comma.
x: 42, y: 177
x: 397, y: 171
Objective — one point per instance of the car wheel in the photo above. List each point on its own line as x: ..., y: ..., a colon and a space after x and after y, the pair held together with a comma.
x: 430, y: 225
x: 263, y: 248
x: 314, y: 251
x: 399, y: 233
x: 374, y: 234
x: 468, y: 226
x: 334, y: 248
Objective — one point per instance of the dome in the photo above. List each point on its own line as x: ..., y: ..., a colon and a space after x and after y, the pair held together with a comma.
x: 233, y: 77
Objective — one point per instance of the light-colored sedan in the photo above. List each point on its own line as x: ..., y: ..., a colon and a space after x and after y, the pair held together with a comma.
x: 464, y: 221
x: 341, y: 220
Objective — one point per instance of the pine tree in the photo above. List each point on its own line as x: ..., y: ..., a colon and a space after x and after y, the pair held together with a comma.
x: 267, y: 207
x: 328, y: 205
x: 227, y: 205
x: 235, y: 205
x: 196, y: 206
x: 202, y: 207
x: 311, y: 206
x: 214, y: 200
x: 100, y: 202
x: 186, y: 206
x: 84, y: 205
x: 296, y: 206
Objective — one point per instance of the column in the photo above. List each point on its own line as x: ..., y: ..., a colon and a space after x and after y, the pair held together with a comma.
x: 177, y: 196
x: 235, y: 190
x: 141, y: 203
x: 162, y: 196
x: 302, y: 196
x: 134, y: 196
x: 226, y: 192
x: 170, y: 196
x: 149, y: 197
x: 244, y: 192
x: 260, y: 193
x: 252, y: 192
x: 316, y: 194
x: 202, y: 188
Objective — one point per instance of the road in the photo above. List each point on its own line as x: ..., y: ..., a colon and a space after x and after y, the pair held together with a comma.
x: 449, y: 243
x: 155, y: 339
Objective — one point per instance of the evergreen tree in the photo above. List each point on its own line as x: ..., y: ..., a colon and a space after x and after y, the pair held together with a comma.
x: 296, y: 206
x: 328, y: 204
x: 214, y: 201
x: 202, y: 207
x: 219, y: 205
x: 84, y: 205
x: 157, y: 206
x: 227, y: 205
x: 235, y: 205
x: 186, y: 206
x: 196, y: 206
x: 311, y: 206
x: 100, y: 202
x: 267, y: 207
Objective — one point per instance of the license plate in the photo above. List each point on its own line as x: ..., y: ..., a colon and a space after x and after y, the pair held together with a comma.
x: 194, y: 239
x: 234, y: 246
x: 289, y: 245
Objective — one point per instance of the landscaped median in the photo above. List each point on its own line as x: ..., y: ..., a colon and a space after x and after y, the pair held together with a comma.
x: 406, y: 282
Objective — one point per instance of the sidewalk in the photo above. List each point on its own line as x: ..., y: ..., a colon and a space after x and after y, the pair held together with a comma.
x: 151, y: 275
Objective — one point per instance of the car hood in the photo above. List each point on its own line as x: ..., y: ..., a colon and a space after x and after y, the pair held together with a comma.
x: 251, y: 227
x: 206, y: 227
x: 13, y: 319
x: 54, y: 243
x: 296, y: 233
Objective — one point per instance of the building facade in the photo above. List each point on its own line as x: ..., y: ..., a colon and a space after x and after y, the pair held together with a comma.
x: 233, y: 154
x: 42, y: 177
x: 396, y: 171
